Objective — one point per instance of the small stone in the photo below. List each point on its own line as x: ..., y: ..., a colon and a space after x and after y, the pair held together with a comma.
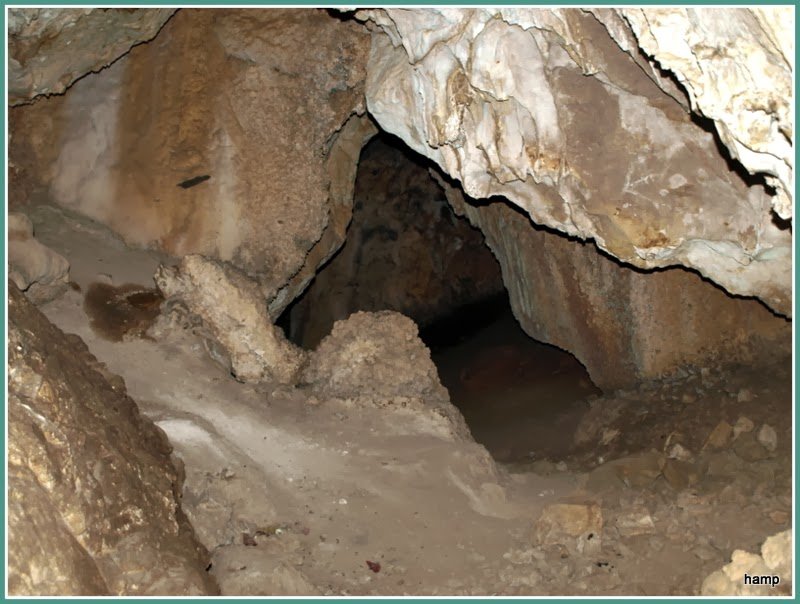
x: 742, y: 425
x: 744, y: 396
x: 779, y: 516
x: 688, y: 398
x: 768, y: 438
x: 678, y: 451
x: 637, y: 521
x: 720, y: 436
x: 576, y: 526
x: 608, y: 435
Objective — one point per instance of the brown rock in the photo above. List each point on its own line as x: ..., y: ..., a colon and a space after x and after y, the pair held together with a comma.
x: 767, y: 438
x: 638, y: 471
x: 720, y: 437
x: 578, y: 527
x: 93, y: 496
x: 635, y: 521
x: 237, y: 95
x: 565, y: 293
x: 233, y: 312
x: 377, y: 359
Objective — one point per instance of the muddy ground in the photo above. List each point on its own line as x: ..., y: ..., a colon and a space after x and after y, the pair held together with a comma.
x: 295, y: 494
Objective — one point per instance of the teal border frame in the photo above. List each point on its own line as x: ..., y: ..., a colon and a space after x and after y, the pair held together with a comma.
x: 358, y: 4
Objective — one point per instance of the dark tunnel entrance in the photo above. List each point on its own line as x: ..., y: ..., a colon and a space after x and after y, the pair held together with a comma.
x: 407, y: 251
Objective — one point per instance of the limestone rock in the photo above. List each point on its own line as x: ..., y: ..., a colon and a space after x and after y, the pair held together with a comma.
x: 50, y: 48
x: 735, y: 65
x: 623, y: 325
x: 93, y: 496
x: 34, y: 268
x: 377, y: 359
x: 776, y: 561
x: 555, y: 110
x: 577, y: 527
x: 375, y: 355
x: 767, y: 438
x: 636, y: 521
x: 742, y: 426
x: 213, y: 139
x: 777, y: 554
x: 720, y: 437
x: 233, y: 311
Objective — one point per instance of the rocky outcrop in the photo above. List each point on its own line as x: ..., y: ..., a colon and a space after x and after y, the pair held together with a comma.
x: 234, y: 315
x: 50, y: 48
x: 377, y: 359
x: 93, y: 497
x: 212, y: 139
x: 735, y: 65
x: 405, y: 251
x: 622, y: 324
x: 548, y: 109
x: 34, y: 268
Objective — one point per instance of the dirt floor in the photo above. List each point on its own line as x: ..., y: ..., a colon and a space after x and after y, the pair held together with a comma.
x: 296, y: 494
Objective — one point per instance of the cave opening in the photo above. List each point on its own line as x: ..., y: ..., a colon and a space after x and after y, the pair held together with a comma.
x: 408, y: 251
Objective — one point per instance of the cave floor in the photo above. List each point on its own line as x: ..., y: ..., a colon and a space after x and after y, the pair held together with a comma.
x: 293, y: 495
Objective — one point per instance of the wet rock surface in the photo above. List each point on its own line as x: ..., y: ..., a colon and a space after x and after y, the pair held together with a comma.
x: 94, y: 500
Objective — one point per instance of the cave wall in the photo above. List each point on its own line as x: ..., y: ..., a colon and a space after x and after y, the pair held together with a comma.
x: 623, y: 324
x: 240, y: 96
x: 405, y: 251
x: 571, y: 123
x: 93, y: 495
x: 50, y: 48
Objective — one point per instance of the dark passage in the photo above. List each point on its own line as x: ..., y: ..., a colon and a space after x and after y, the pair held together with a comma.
x: 522, y: 399
x: 406, y: 250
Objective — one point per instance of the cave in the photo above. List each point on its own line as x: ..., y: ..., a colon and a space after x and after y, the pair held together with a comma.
x: 449, y: 302
x: 407, y: 251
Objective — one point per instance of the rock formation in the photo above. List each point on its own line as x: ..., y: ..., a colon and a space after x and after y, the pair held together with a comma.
x: 34, y: 268
x: 213, y: 139
x: 232, y: 311
x: 555, y: 110
x: 50, y: 48
x: 93, y: 497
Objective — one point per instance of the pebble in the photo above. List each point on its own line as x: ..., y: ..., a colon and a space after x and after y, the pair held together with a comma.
x: 768, y: 438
